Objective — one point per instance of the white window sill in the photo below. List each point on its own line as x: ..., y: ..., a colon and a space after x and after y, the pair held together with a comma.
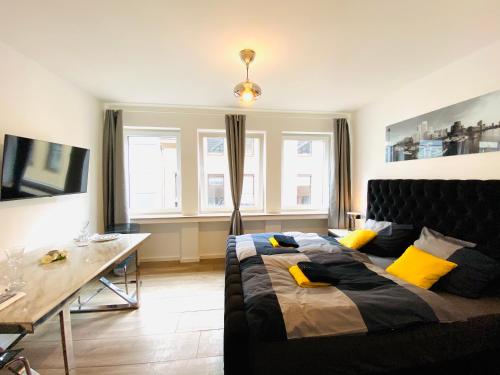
x: 201, y: 218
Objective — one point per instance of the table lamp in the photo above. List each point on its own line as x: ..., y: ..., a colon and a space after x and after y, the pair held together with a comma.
x: 352, y: 216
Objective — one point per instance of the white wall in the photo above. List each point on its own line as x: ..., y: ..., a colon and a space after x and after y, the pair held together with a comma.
x: 38, y: 104
x: 194, y: 240
x: 474, y: 75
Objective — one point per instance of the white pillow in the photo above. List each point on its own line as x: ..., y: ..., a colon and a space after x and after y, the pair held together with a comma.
x: 376, y: 226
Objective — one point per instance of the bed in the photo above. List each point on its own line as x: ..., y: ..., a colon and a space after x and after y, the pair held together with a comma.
x: 466, y: 209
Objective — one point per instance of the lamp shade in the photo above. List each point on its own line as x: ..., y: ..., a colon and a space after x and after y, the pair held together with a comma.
x: 247, y: 91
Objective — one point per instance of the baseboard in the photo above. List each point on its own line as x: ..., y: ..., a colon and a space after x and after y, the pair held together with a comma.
x: 159, y: 259
x: 190, y: 260
x: 182, y: 260
x: 213, y: 256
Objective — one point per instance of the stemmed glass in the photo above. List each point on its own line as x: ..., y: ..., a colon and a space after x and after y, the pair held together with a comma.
x: 14, y: 275
x: 83, y: 236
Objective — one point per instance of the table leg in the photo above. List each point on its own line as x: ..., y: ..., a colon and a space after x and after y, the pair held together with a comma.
x: 67, y: 340
x: 137, y: 278
x: 132, y: 301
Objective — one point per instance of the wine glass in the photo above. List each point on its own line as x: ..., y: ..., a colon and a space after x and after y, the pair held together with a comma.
x: 83, y: 236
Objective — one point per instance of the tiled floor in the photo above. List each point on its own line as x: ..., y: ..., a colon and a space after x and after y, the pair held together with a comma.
x: 177, y: 330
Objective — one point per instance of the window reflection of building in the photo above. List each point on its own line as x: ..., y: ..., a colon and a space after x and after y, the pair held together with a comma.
x: 215, y: 146
x: 215, y: 190
x: 304, y: 148
x: 304, y: 189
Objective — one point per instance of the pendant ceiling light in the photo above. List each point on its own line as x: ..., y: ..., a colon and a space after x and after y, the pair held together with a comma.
x: 247, y: 91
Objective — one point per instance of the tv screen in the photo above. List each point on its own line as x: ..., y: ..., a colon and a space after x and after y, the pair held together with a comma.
x: 32, y: 168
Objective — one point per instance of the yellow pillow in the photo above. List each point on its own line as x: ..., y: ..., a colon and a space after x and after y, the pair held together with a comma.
x: 273, y: 242
x: 420, y: 268
x: 302, y: 279
x: 358, y: 238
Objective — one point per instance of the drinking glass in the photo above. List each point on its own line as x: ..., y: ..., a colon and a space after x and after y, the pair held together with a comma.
x: 14, y: 274
x: 83, y: 236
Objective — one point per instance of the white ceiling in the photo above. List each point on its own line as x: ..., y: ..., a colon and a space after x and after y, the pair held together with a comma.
x: 331, y: 55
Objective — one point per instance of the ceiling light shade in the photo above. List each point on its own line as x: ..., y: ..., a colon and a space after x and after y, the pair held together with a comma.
x: 247, y: 91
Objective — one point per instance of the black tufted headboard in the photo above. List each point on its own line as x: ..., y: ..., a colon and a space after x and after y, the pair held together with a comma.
x: 465, y: 209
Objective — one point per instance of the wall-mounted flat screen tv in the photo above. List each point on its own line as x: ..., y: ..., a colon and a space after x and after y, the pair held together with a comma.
x: 32, y: 168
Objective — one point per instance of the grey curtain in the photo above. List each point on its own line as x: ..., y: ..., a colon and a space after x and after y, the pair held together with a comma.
x: 340, y: 196
x: 114, y: 189
x: 235, y: 134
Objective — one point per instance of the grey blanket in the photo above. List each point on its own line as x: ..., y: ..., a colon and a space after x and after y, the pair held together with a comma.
x: 367, y: 299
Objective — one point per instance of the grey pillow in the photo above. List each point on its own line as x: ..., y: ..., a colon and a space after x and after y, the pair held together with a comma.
x: 475, y: 270
x: 438, y: 244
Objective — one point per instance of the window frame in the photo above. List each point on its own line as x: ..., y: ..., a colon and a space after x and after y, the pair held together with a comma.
x: 259, y: 188
x: 139, y: 131
x: 305, y: 136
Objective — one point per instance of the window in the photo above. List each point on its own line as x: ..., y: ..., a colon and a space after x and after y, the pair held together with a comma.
x: 304, y: 189
x: 304, y: 148
x: 248, y: 192
x: 305, y: 181
x: 215, y: 190
x: 214, y: 179
x: 153, y: 170
x: 215, y: 146
x: 249, y: 146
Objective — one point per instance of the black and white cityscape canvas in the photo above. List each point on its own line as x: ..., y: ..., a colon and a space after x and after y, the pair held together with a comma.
x: 468, y: 127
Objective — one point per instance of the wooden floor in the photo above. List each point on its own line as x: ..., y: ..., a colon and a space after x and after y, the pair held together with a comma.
x: 177, y: 330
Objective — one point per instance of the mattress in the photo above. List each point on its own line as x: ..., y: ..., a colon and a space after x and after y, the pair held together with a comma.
x: 473, y: 308
x: 461, y: 347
